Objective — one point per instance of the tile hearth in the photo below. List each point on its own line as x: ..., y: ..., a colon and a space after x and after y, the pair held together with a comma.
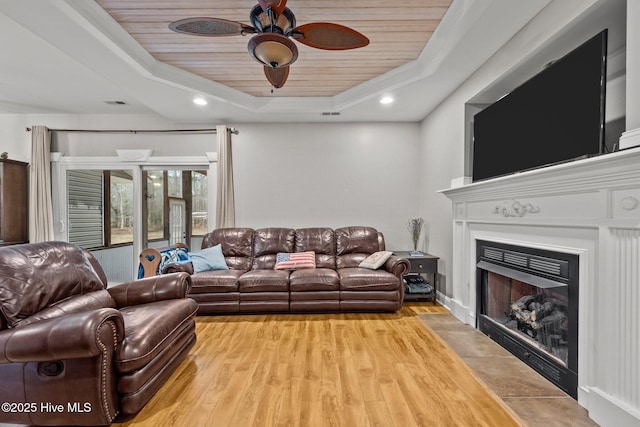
x: 534, y: 399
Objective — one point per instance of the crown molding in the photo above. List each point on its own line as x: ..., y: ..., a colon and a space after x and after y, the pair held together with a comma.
x: 462, y: 14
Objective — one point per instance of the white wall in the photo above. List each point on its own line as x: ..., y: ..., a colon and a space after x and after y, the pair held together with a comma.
x: 302, y: 175
x: 441, y: 159
x: 442, y: 132
x: 328, y: 175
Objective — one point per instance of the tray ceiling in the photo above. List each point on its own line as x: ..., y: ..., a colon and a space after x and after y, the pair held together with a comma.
x: 398, y: 32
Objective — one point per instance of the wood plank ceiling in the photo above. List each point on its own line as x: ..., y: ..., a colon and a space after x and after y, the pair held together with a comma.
x: 398, y: 31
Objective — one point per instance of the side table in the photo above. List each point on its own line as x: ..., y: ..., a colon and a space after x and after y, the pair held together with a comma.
x: 422, y: 264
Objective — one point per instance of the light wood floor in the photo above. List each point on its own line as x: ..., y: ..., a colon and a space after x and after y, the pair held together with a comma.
x: 323, y: 370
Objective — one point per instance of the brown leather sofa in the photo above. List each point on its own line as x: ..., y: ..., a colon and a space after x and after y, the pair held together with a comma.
x: 337, y: 284
x: 74, y: 352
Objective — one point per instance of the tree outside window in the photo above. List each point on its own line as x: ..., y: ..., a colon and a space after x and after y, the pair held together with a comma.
x: 199, y: 203
x: 155, y: 205
x: 121, y: 192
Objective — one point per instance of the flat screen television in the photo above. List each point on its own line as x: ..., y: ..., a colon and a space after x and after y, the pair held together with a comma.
x: 556, y: 116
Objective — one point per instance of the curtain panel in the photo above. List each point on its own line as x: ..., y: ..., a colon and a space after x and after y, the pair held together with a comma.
x: 40, y: 206
x: 225, y: 200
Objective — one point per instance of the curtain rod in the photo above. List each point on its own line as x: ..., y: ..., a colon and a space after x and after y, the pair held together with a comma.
x: 232, y: 130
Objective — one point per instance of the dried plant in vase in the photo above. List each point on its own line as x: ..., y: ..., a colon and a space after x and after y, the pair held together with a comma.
x: 414, y: 225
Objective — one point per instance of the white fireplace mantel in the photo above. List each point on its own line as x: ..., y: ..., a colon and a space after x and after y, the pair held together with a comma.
x: 590, y: 207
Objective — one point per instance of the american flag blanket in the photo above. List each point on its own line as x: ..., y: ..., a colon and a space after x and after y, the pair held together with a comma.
x: 295, y: 260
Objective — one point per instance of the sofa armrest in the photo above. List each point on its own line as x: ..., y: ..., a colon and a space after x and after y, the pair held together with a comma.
x: 72, y: 336
x: 177, y: 267
x: 151, y: 289
x: 397, y: 266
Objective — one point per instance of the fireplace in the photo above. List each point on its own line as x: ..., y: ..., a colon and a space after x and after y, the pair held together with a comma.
x: 590, y: 209
x: 528, y: 303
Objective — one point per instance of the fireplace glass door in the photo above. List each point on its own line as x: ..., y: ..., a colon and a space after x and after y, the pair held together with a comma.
x: 528, y: 303
x: 534, y: 313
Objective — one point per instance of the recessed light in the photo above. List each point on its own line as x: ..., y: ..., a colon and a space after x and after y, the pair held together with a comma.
x: 199, y: 101
x: 386, y: 100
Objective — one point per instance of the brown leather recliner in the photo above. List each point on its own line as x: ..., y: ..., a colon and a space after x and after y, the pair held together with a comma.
x: 74, y: 352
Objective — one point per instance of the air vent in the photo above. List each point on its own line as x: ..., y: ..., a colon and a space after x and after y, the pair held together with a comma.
x: 330, y: 113
x: 547, y: 266
x: 538, y: 265
x: 115, y: 102
x: 493, y: 254
x: 515, y: 259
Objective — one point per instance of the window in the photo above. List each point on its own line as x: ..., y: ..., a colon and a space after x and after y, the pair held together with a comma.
x: 199, y: 203
x: 175, y: 183
x: 121, y: 207
x: 100, y: 208
x: 155, y: 205
x: 101, y: 202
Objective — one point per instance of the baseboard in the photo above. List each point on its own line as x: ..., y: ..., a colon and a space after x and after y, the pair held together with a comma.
x: 607, y: 411
x: 462, y: 312
x: 443, y: 300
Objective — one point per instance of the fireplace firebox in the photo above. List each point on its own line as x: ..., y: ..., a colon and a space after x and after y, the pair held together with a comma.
x: 528, y: 303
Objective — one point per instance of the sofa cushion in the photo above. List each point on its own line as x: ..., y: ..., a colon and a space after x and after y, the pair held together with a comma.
x: 268, y: 242
x: 264, y: 281
x: 208, y: 259
x: 319, y: 240
x: 356, y: 240
x: 315, y: 279
x: 35, y: 276
x: 215, y: 281
x: 149, y: 328
x: 237, y: 245
x: 357, y: 278
x: 354, y: 244
x: 295, y: 260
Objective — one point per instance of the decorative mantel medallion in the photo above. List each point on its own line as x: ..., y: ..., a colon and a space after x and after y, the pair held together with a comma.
x: 629, y: 203
x: 515, y: 208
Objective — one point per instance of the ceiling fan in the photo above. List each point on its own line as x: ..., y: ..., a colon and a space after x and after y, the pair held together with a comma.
x: 274, y: 25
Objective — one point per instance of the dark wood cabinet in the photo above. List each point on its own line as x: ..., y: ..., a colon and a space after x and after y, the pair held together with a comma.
x: 14, y: 212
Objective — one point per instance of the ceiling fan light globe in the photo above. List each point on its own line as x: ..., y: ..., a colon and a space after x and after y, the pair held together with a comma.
x: 273, y: 50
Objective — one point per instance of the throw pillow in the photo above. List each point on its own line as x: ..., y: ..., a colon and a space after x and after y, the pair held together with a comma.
x: 295, y: 260
x: 208, y: 259
x: 376, y: 259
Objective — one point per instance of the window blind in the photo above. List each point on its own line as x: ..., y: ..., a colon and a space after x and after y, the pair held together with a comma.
x: 86, y: 208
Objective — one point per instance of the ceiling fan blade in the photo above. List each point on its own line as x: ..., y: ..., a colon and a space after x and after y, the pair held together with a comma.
x: 277, y: 5
x: 276, y: 76
x: 325, y: 35
x: 212, y: 27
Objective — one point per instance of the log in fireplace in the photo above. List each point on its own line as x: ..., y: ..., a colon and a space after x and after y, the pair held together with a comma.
x: 528, y: 303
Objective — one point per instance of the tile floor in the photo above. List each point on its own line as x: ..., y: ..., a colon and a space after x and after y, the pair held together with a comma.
x: 533, y: 398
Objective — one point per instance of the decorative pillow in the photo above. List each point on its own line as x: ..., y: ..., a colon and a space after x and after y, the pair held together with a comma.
x: 208, y: 259
x: 295, y: 260
x: 375, y: 260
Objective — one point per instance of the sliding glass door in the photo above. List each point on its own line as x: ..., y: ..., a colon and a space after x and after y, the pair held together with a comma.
x: 115, y: 210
